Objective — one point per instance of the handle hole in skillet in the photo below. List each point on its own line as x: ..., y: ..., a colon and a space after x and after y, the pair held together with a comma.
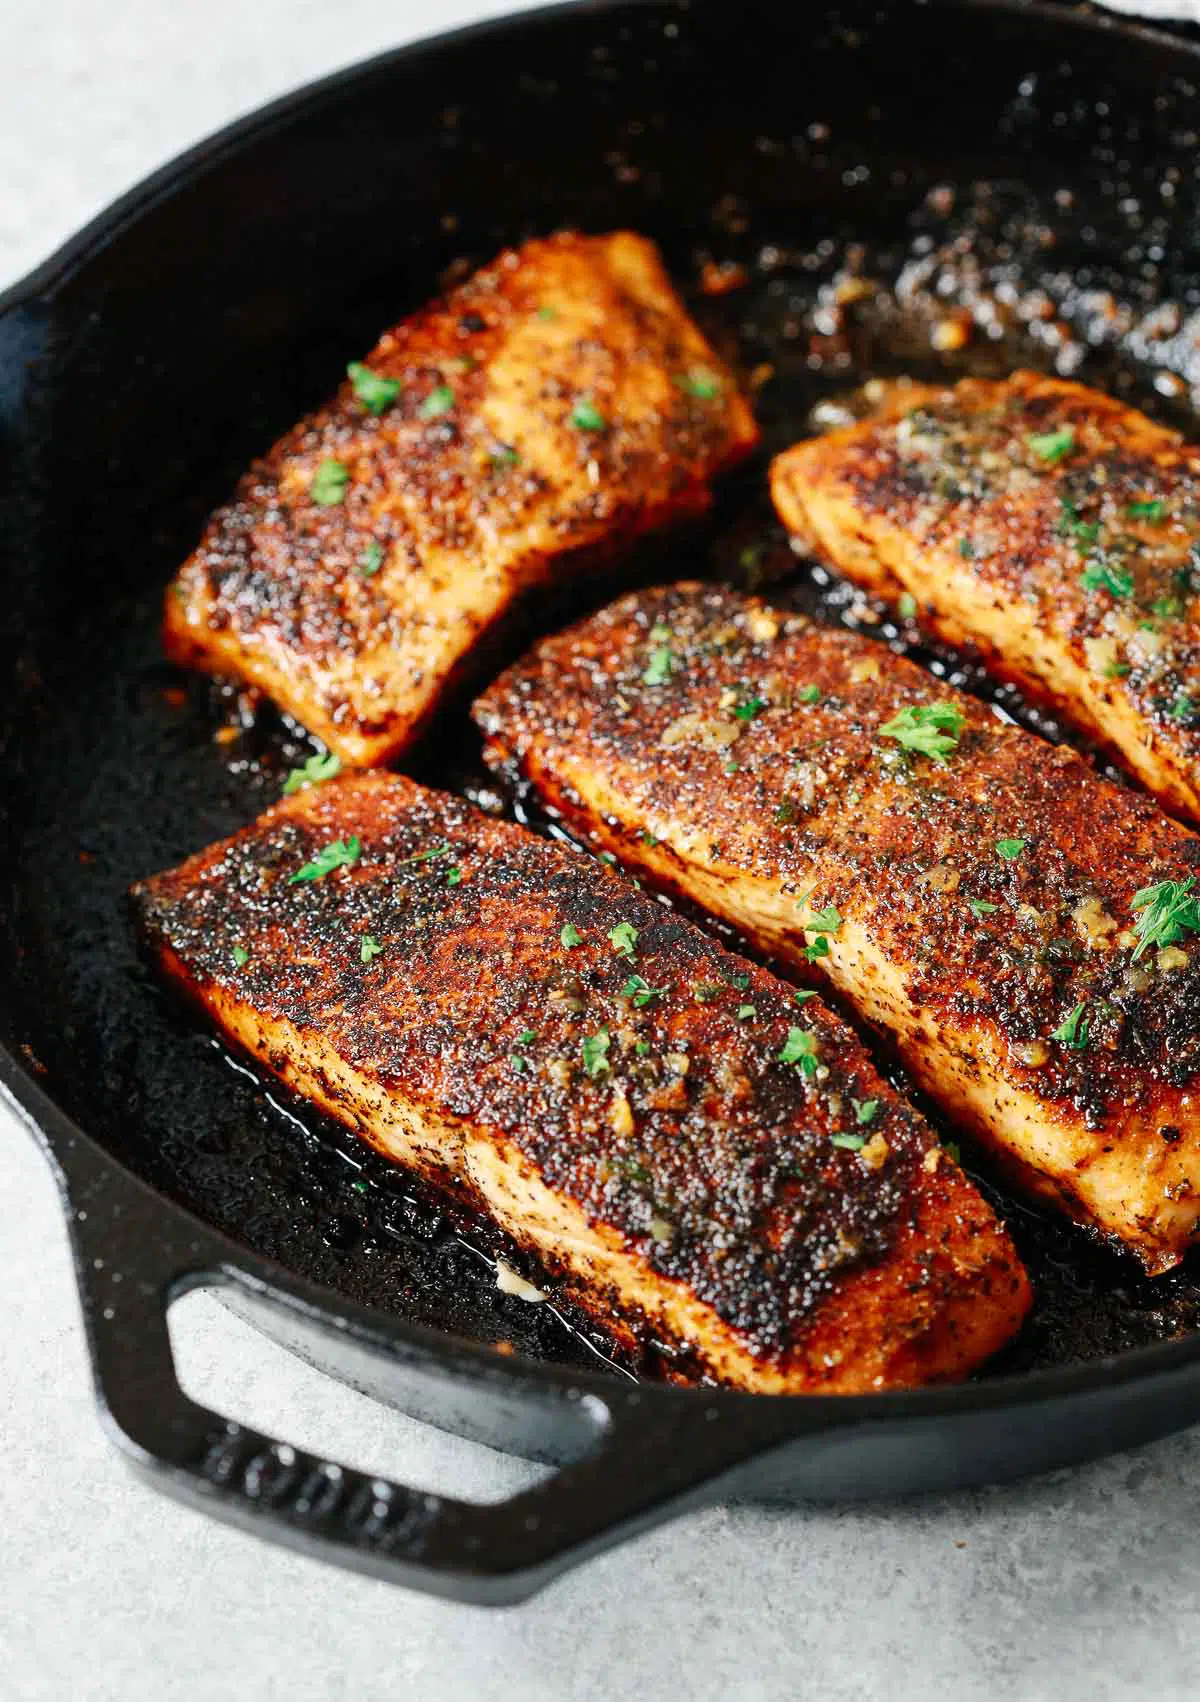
x: 226, y: 1364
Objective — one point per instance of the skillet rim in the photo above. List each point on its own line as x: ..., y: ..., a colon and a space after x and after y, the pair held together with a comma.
x: 231, y: 1262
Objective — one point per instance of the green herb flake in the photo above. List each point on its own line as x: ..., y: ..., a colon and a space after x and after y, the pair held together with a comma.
x: 1166, y: 608
x: 803, y: 994
x: 817, y: 948
x: 1154, y: 510
x: 371, y: 560
x: 981, y: 907
x: 809, y: 694
x: 640, y: 991
x: 1072, y: 525
x: 865, y: 1110
x: 1104, y: 575
x: 527, y: 1037
x: 518, y: 1063
x: 1073, y: 1031
x: 595, y: 1052
x: 1010, y: 849
x: 571, y: 937
x: 751, y: 709
x: 1051, y: 446
x: 966, y: 549
x: 826, y: 921
x: 906, y: 606
x: 329, y: 483
x: 369, y: 948
x: 658, y: 668
x: 1116, y: 670
x: 932, y: 729
x: 454, y: 876
x: 547, y: 312
x: 340, y: 854
x: 439, y: 401
x: 647, y: 838
x: 504, y: 456
x: 428, y: 856
x: 642, y: 1048
x: 312, y: 772
x: 1168, y: 911
x: 746, y: 1013
x: 700, y: 382
x: 372, y: 389
x: 800, y: 1048
x: 241, y: 957
x: 623, y: 938
x: 1183, y: 708
x: 852, y: 1143
x: 586, y: 416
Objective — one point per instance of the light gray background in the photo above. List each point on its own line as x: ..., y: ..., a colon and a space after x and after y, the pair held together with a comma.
x: 1081, y: 1586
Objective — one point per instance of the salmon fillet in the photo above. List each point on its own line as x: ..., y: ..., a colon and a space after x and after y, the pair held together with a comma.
x: 696, y: 1156
x: 1051, y: 528
x: 1024, y: 931
x: 557, y: 404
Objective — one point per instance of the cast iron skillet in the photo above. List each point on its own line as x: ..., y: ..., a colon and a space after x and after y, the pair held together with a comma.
x: 139, y: 371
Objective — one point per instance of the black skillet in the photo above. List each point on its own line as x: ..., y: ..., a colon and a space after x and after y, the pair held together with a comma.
x: 994, y: 151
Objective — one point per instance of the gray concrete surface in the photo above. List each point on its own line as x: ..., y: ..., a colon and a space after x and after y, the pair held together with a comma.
x: 1081, y: 1588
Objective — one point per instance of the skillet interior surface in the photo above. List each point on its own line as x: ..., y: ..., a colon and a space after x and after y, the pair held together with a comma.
x: 864, y: 178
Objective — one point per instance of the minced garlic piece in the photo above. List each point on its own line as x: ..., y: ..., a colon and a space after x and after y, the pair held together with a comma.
x: 761, y: 626
x: 620, y: 1115
x: 1170, y: 957
x: 942, y: 878
x: 874, y: 1154
x: 678, y: 1062
x: 509, y: 1281
x: 1093, y: 924
x: 1034, y: 1053
x: 866, y: 668
x: 710, y: 732
x: 662, y: 1230
x: 932, y: 1159
x: 1101, y: 655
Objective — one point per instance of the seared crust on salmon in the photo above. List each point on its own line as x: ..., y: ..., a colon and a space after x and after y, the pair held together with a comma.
x: 557, y: 404
x: 1055, y: 530
x: 971, y: 890
x: 696, y: 1155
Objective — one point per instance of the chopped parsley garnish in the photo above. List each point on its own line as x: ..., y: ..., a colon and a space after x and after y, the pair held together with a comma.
x: 746, y: 1012
x: 826, y: 921
x: 504, y: 456
x: 453, y: 876
x: 1071, y: 525
x: 434, y: 851
x: 817, y: 948
x: 369, y: 948
x: 586, y: 416
x: 1073, y: 1031
x: 595, y: 1052
x: 1010, y: 849
x: 1183, y: 708
x: 623, y: 938
x: 809, y: 694
x: 518, y: 1063
x: 640, y: 991
x: 241, y: 956
x: 642, y: 1048
x: 865, y: 1110
x: 699, y: 382
x: 371, y: 388
x: 803, y: 994
x: 439, y: 401
x: 329, y: 483
x: 800, y: 1048
x: 1051, y: 446
x: 371, y: 560
x: 658, y: 668
x: 647, y: 838
x: 932, y: 729
x: 312, y: 772
x: 1116, y: 670
x: 906, y: 606
x: 547, y: 312
x: 1168, y: 911
x: 337, y: 855
x: 1166, y: 608
x: 571, y: 936
x: 966, y: 549
x: 1154, y: 510
x: 527, y: 1037
x: 852, y: 1143
x: 1102, y: 575
x: 981, y: 907
x: 752, y: 708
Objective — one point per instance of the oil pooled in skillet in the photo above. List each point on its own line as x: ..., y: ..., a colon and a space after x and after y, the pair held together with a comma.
x: 158, y: 766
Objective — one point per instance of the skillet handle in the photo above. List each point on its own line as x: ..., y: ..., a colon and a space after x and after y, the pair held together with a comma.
x: 643, y: 1461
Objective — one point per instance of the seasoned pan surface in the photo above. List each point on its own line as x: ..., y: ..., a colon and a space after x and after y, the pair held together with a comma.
x: 829, y: 230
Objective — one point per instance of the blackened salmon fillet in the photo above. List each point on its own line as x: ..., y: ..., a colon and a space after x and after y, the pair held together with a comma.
x: 1053, y: 529
x: 1023, y: 931
x: 551, y: 408
x: 690, y: 1151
